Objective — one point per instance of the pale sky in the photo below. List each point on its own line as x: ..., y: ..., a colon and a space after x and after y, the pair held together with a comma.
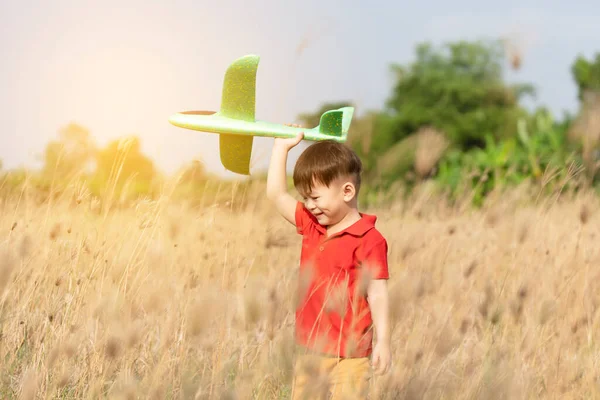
x: 122, y: 67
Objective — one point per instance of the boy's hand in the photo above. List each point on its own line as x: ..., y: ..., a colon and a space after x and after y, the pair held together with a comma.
x: 289, y: 143
x: 382, y: 358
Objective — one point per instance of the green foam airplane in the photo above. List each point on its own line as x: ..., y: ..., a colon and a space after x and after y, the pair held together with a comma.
x: 236, y: 125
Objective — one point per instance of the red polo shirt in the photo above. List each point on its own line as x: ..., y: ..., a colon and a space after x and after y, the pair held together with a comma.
x: 333, y: 315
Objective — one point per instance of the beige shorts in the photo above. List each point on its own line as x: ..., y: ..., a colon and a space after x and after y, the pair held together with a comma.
x: 323, y: 377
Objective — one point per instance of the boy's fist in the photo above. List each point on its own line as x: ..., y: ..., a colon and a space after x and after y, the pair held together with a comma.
x: 289, y: 143
x: 381, y: 358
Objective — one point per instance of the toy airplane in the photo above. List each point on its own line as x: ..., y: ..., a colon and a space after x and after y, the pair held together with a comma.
x: 236, y: 125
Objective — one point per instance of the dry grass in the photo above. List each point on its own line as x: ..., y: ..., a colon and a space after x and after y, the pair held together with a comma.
x: 169, y: 301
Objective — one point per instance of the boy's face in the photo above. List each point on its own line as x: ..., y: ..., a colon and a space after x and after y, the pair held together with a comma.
x: 330, y: 204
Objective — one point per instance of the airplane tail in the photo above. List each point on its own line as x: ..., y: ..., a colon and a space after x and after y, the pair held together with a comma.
x: 336, y: 122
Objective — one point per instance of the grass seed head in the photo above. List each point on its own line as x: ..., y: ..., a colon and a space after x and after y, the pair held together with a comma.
x: 469, y: 270
x: 584, y: 214
x: 113, y: 347
x: 55, y: 231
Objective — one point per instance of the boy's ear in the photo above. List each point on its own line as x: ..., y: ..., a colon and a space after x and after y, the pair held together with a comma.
x: 348, y: 190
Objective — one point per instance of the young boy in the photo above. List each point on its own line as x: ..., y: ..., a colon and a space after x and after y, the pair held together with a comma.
x: 343, y: 271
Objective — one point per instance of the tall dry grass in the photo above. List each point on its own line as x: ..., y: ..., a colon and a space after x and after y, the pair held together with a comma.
x: 164, y: 300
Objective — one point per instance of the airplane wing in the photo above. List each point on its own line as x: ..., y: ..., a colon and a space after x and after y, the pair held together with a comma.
x: 238, y: 102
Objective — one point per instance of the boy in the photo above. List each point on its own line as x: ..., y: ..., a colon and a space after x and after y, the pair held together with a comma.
x: 343, y: 271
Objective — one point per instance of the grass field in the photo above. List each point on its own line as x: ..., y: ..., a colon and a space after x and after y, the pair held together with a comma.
x: 168, y: 300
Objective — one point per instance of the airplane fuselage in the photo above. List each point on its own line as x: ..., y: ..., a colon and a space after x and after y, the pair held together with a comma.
x: 213, y: 122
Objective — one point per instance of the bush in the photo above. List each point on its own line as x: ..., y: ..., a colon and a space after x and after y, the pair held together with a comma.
x: 540, y: 153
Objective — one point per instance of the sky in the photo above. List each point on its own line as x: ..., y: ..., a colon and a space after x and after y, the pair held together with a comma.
x: 123, y: 67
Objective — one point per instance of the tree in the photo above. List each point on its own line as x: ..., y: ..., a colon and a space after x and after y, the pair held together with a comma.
x: 72, y: 154
x: 587, y: 77
x: 123, y: 163
x: 585, y: 128
x: 457, y: 89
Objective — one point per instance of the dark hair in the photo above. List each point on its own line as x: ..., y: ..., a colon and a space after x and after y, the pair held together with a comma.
x: 323, y: 162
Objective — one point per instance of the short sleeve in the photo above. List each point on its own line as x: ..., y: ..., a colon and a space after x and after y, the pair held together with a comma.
x: 374, y: 257
x: 303, y: 219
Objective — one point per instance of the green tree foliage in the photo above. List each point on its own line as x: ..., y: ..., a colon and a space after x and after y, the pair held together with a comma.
x: 540, y: 153
x: 457, y: 89
x: 452, y: 98
x: 587, y: 75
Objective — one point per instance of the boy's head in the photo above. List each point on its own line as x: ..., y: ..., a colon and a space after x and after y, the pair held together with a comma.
x: 328, y: 176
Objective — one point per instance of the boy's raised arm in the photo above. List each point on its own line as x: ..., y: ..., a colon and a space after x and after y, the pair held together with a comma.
x: 276, y: 178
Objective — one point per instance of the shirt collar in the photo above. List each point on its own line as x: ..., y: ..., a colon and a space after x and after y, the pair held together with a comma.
x: 359, y: 228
